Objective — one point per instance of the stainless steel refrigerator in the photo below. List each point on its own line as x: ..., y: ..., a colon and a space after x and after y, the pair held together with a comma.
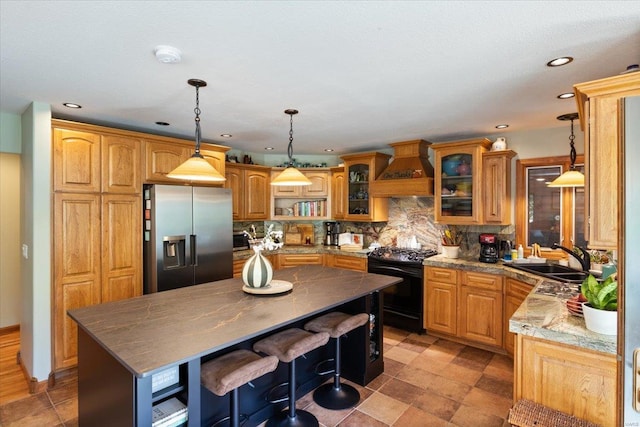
x: 629, y: 276
x: 188, y: 236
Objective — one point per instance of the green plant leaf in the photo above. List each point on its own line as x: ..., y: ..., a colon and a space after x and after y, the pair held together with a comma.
x: 600, y: 295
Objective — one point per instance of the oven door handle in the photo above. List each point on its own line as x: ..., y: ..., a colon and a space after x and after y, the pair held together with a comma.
x: 389, y: 268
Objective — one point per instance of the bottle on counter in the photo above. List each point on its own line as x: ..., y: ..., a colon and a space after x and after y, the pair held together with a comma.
x: 514, y: 254
x: 520, y: 252
x: 507, y: 250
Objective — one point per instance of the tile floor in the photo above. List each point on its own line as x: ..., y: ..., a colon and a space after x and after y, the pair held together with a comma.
x: 427, y: 382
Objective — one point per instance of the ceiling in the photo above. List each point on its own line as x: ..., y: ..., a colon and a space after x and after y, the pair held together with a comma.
x: 362, y: 73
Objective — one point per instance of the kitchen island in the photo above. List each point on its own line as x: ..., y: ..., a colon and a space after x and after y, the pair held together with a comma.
x: 122, y: 344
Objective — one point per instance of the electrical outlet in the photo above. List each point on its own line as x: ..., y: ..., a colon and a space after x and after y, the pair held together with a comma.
x: 25, y: 251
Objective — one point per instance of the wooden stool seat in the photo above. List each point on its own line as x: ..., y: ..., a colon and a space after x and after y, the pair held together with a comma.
x: 230, y: 371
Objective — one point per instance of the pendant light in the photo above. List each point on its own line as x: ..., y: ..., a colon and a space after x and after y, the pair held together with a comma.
x: 290, y: 176
x: 196, y: 168
x: 572, y: 177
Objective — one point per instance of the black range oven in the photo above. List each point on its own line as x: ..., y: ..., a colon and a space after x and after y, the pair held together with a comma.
x: 404, y: 301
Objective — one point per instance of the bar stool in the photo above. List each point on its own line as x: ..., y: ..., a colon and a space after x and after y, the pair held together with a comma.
x: 228, y: 372
x: 336, y: 324
x: 287, y: 346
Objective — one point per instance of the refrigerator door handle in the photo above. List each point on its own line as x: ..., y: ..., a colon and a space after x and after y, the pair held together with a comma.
x: 194, y: 252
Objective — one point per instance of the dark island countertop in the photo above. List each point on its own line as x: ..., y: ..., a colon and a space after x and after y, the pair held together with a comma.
x: 149, y: 333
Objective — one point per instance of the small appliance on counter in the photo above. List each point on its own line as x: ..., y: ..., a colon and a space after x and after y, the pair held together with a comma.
x: 240, y: 241
x: 332, y: 230
x: 489, y: 248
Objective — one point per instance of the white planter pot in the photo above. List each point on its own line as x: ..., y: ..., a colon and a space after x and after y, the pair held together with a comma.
x: 451, y: 251
x: 600, y: 321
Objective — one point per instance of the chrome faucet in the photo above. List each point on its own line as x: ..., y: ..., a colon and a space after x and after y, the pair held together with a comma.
x: 585, y: 260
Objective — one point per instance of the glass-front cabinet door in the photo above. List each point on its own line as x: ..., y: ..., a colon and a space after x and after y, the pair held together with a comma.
x: 360, y: 171
x: 458, y: 181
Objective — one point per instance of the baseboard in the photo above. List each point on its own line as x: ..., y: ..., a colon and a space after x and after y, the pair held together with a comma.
x: 9, y: 329
x: 35, y: 386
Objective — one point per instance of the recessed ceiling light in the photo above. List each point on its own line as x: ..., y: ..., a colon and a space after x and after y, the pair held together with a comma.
x: 162, y: 123
x: 226, y: 135
x: 268, y: 148
x: 167, y: 54
x: 503, y: 126
x: 566, y: 95
x: 328, y: 150
x: 71, y: 105
x: 558, y: 62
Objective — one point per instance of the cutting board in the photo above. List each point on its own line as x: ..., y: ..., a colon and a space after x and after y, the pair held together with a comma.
x: 299, y: 234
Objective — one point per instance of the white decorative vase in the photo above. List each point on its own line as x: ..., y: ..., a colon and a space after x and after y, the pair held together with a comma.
x: 257, y: 271
x: 451, y: 251
x: 600, y: 321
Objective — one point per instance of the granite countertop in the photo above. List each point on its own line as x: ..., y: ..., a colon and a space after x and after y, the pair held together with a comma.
x: 155, y: 331
x: 543, y: 314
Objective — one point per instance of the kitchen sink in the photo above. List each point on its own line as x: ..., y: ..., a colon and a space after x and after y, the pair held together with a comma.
x: 545, y: 268
x: 553, y: 272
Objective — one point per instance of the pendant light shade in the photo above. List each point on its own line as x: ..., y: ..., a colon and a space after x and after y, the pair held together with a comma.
x: 572, y: 177
x: 290, y: 176
x: 196, y: 168
x: 568, y: 179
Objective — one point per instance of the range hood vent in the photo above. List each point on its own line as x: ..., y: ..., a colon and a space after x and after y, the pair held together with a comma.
x: 408, y: 174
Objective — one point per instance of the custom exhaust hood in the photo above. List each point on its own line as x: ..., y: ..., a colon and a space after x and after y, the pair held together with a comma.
x: 409, y: 174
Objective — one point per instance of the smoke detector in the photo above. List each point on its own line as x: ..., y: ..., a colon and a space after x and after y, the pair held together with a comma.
x: 167, y: 54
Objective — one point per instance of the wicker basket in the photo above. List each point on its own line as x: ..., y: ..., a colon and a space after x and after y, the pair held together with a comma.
x: 526, y: 413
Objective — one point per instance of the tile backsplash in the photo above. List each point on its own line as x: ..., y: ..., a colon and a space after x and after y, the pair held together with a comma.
x: 408, y: 217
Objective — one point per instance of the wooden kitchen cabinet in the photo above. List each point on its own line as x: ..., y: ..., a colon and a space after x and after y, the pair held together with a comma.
x: 164, y: 154
x: 161, y: 158
x: 345, y: 261
x: 294, y: 260
x: 464, y: 304
x: 121, y: 237
x: 338, y: 192
x: 600, y: 113
x: 496, y: 187
x: 441, y: 300
x: 76, y: 268
x: 515, y: 294
x: 306, y: 202
x: 76, y: 160
x: 573, y: 380
x: 360, y: 171
x: 121, y: 159
x: 250, y: 191
x: 480, y: 308
x: 458, y: 181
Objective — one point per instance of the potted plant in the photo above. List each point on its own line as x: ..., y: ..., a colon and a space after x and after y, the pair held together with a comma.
x: 598, y: 258
x: 451, y: 240
x: 600, y: 309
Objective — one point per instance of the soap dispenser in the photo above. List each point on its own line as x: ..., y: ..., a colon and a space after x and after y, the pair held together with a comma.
x: 520, y: 251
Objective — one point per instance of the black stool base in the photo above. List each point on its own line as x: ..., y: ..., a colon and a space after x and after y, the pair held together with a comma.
x: 302, y: 419
x: 330, y: 397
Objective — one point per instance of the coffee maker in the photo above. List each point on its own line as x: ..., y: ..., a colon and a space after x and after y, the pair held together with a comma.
x: 489, y: 248
x: 332, y: 229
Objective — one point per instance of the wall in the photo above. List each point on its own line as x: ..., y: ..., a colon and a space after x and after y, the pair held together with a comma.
x: 10, y: 145
x: 35, y: 325
x: 10, y: 295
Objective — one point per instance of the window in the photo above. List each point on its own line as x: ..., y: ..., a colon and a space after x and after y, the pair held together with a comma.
x: 547, y: 215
